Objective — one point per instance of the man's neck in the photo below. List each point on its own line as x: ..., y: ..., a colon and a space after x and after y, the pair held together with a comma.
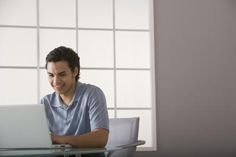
x: 67, y: 98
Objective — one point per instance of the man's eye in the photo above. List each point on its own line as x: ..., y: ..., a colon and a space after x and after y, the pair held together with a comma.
x: 50, y: 75
x: 62, y: 75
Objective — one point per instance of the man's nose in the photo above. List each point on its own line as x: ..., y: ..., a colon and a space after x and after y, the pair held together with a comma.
x: 56, y: 80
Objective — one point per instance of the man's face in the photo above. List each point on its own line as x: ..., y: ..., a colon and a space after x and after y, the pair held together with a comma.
x: 61, y: 78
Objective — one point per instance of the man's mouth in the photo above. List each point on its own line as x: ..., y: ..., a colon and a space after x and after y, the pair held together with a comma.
x: 58, y: 87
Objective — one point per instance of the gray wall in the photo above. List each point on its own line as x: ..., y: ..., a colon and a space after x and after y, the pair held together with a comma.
x: 195, y: 47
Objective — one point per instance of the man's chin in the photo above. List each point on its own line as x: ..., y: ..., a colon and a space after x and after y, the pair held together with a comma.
x: 59, y: 91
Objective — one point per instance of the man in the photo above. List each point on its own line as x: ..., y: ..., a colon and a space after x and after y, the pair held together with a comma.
x: 76, y: 112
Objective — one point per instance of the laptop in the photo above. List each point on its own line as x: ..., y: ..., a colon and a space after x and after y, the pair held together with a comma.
x: 24, y: 126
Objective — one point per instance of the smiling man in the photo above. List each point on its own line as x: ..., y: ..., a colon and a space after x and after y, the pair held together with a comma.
x: 76, y: 112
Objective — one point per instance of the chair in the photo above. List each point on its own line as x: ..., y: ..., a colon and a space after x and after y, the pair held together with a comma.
x: 124, y: 134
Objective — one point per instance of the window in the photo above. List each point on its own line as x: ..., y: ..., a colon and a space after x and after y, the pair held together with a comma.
x: 114, y: 39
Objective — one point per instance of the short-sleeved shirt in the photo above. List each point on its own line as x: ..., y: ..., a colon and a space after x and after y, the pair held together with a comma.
x: 86, y: 112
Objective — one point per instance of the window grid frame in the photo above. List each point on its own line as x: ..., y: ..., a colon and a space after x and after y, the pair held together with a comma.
x: 114, y: 68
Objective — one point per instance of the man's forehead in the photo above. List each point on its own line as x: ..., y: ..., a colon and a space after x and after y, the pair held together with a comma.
x: 57, y: 67
x: 59, y: 64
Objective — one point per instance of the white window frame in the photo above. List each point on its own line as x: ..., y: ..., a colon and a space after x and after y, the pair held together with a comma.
x: 152, y: 68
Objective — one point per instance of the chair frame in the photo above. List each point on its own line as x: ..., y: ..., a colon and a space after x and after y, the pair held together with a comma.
x: 139, y: 142
x: 132, y: 144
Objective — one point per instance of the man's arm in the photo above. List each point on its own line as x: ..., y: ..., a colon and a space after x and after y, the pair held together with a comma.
x: 96, y: 138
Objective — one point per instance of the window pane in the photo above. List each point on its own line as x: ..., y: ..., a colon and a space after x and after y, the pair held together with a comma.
x: 96, y: 48
x: 57, y: 13
x: 45, y: 87
x: 104, y: 79
x: 18, y: 47
x: 133, y: 88
x: 95, y: 14
x: 144, y: 123
x: 52, y: 38
x: 15, y: 12
x: 111, y: 113
x: 132, y: 14
x: 132, y: 49
x: 18, y: 90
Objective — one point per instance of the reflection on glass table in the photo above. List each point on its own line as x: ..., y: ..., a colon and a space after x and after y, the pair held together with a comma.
x: 55, y: 151
x: 37, y: 152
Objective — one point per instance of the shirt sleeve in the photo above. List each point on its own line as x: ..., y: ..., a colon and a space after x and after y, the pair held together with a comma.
x: 98, y: 113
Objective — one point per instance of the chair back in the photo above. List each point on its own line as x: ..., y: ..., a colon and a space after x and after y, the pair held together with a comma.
x: 123, y: 131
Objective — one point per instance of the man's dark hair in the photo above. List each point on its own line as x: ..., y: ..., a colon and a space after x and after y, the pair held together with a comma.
x: 63, y: 53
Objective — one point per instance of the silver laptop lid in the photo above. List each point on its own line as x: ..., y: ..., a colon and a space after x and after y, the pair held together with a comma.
x: 24, y: 126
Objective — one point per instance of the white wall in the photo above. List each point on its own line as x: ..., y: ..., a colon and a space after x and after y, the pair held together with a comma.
x: 196, y: 78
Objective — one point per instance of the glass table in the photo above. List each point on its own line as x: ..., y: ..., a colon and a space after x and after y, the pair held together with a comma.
x: 54, y: 151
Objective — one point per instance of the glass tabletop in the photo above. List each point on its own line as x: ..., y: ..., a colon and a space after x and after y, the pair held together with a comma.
x: 54, y: 151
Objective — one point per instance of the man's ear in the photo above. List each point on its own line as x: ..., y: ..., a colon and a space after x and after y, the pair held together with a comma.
x: 76, y: 71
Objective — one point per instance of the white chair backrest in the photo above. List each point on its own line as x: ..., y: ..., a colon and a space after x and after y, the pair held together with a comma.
x: 123, y: 131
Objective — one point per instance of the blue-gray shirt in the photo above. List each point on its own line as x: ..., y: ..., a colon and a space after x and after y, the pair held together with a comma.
x: 86, y: 112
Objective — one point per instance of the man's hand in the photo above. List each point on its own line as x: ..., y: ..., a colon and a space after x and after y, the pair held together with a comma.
x: 56, y: 139
x: 96, y: 138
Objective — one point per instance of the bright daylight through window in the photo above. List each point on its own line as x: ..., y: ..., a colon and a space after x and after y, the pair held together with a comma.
x: 114, y: 39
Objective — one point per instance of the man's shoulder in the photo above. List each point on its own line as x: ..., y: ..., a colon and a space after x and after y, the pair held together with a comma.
x: 89, y: 92
x: 89, y: 88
